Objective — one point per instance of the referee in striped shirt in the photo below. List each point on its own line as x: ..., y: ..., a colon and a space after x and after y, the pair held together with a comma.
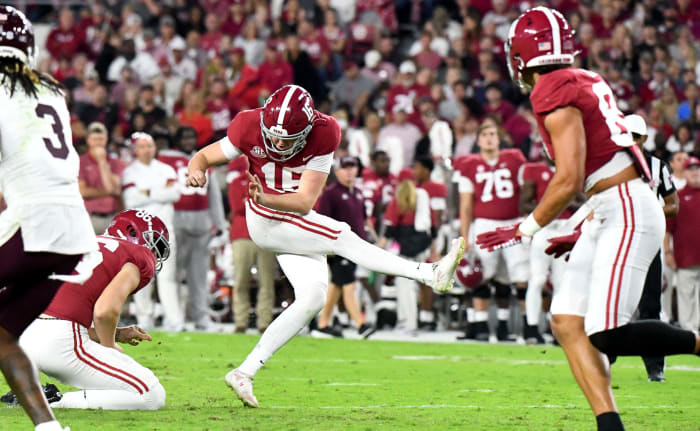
x: 662, y: 185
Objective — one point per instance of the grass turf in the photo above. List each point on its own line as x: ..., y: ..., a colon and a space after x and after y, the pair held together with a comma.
x: 370, y: 385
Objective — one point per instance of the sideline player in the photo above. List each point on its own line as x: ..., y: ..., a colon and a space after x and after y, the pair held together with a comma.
x: 488, y: 199
x: 290, y: 147
x: 45, y: 229
x: 533, y: 179
x: 585, y: 134
x: 62, y: 343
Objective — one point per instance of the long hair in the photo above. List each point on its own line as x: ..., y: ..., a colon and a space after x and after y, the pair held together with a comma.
x: 13, y: 72
x: 406, y: 196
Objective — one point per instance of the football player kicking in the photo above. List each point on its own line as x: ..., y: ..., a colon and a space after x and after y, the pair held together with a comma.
x: 62, y: 342
x: 585, y: 134
x: 45, y: 229
x: 290, y: 147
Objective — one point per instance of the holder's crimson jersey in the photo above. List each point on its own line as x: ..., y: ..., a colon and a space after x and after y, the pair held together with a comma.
x: 495, y: 185
x: 278, y: 177
x: 76, y: 302
x: 603, y: 122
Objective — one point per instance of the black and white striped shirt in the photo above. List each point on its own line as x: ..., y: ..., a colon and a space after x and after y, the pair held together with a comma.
x: 662, y: 184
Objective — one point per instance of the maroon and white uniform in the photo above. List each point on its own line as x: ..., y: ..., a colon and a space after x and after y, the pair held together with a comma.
x: 437, y: 192
x: 59, y: 345
x: 495, y: 190
x: 605, y: 274
x: 542, y: 265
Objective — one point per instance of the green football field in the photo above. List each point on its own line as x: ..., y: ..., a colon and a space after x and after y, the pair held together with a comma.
x: 380, y: 385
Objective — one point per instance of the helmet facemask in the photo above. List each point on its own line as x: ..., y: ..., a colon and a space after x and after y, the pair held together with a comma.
x: 160, y: 247
x: 299, y: 141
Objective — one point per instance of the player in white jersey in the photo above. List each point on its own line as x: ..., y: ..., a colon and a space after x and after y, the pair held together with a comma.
x: 290, y: 148
x: 45, y: 229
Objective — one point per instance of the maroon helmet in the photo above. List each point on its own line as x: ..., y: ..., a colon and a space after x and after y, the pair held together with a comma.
x: 16, y: 36
x: 142, y: 228
x: 539, y: 37
x: 287, y: 114
x: 469, y: 272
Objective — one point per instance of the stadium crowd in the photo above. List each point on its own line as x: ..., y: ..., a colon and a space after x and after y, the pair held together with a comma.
x: 410, y: 82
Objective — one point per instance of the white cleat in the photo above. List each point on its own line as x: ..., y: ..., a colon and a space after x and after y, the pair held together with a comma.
x: 242, y: 385
x: 444, y: 269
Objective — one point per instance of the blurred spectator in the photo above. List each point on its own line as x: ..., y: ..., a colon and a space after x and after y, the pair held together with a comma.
x: 275, y: 72
x: 344, y: 202
x: 84, y: 94
x: 246, y: 255
x: 315, y: 44
x: 166, y: 37
x: 236, y: 19
x: 247, y: 90
x: 172, y: 85
x: 99, y: 179
x: 465, y: 128
x: 424, y: 54
x: 351, y: 89
x: 437, y: 143
x: 182, y: 65
x: 305, y: 74
x: 209, y: 41
x: 686, y: 254
x: 219, y: 109
x: 153, y: 114
x: 361, y: 142
x: 498, y: 18
x: 677, y: 163
x: 378, y: 184
x: 152, y: 185
x: 406, y: 94
x: 495, y: 104
x: 653, y: 88
x: 128, y: 80
x: 408, y: 222
x: 100, y: 109
x: 142, y: 63
x: 682, y: 140
x: 193, y: 115
x: 198, y: 213
x: 688, y: 106
x: 399, y: 139
x: 66, y: 40
x: 252, y: 45
x: 376, y: 69
x: 335, y: 36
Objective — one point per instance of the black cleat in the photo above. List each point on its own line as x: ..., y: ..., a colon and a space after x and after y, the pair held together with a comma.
x: 478, y: 331
x: 532, y: 335
x: 502, y: 331
x: 10, y: 399
x: 366, y: 330
x: 657, y: 376
x: 327, y: 332
x: 52, y: 393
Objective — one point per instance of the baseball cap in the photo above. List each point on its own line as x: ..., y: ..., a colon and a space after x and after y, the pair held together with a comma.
x: 407, y: 67
x: 177, y: 44
x: 372, y: 58
x: 347, y: 161
x: 691, y: 161
x: 636, y: 124
x: 96, y: 127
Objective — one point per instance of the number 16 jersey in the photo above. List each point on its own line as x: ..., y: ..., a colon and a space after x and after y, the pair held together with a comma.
x: 493, y: 183
x: 39, y: 174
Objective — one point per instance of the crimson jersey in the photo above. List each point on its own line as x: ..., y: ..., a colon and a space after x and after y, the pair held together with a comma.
x: 603, y: 122
x: 76, y: 302
x: 245, y: 133
x: 540, y: 174
x: 438, y: 198
x: 495, y: 185
x: 191, y: 198
x: 378, y: 189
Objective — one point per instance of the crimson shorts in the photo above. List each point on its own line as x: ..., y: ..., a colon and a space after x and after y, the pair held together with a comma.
x: 25, y: 289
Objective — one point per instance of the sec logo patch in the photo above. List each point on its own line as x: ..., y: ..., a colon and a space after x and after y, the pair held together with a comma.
x: 258, y: 152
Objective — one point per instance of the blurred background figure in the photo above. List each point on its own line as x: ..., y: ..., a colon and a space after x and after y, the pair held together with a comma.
x: 152, y: 185
x: 199, y: 216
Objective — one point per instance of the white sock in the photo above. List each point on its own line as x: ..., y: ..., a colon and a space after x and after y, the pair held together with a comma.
x: 112, y: 399
x: 471, y: 315
x: 481, y: 316
x: 503, y: 314
x: 426, y: 316
x: 353, y: 248
x: 48, y: 426
x: 533, y: 301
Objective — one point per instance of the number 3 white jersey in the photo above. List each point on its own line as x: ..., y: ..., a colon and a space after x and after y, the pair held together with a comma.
x: 39, y: 175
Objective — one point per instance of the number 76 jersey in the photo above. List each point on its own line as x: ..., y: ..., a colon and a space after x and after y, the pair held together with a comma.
x: 494, y: 184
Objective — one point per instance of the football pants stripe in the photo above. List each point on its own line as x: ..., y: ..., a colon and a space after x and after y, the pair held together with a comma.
x: 306, y: 228
x: 302, y: 219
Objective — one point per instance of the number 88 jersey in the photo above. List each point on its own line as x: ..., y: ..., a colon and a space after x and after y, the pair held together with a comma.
x: 494, y: 184
x: 38, y: 163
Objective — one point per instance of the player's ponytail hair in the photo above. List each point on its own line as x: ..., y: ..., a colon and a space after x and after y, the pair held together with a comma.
x: 14, y: 72
x: 406, y: 196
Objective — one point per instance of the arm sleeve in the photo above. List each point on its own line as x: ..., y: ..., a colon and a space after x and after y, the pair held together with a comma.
x: 131, y: 195
x: 465, y: 185
x: 321, y: 163
x: 521, y: 175
x: 230, y: 151
x: 216, y: 204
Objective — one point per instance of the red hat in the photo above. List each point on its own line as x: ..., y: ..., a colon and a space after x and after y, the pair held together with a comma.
x: 406, y: 174
x: 691, y: 161
x: 237, y: 50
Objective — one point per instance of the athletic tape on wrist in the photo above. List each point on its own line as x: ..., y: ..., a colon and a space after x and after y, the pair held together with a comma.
x: 529, y: 226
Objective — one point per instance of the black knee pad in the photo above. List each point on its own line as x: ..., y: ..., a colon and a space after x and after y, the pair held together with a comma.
x: 502, y: 290
x: 482, y: 292
x: 520, y: 293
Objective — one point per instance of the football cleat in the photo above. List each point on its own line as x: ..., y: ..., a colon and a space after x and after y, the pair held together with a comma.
x: 52, y: 394
x: 242, y: 385
x: 10, y: 399
x: 444, y: 269
x: 327, y: 332
x: 366, y: 330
